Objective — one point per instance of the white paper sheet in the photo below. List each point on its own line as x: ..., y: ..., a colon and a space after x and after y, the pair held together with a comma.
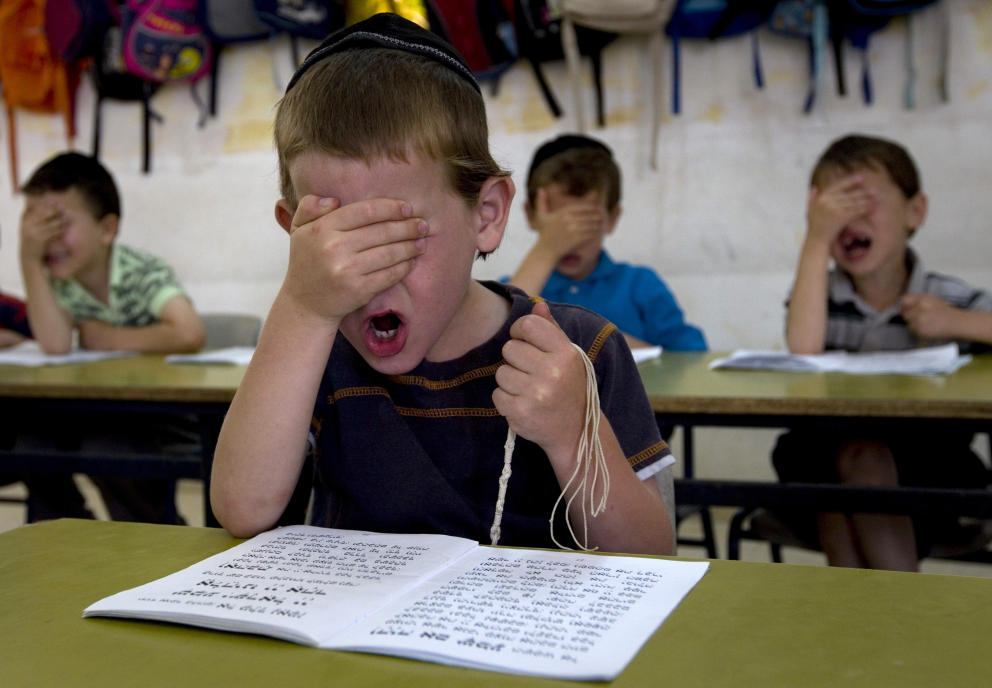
x: 646, y: 353
x: 238, y: 355
x: 29, y: 353
x: 926, y: 361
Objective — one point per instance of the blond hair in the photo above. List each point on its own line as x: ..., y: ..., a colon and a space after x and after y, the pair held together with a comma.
x: 380, y: 103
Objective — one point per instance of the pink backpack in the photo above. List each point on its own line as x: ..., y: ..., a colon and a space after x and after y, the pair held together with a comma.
x: 164, y: 40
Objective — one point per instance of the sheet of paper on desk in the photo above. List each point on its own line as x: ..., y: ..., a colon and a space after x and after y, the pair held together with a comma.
x: 927, y: 361
x: 646, y: 353
x: 428, y: 597
x: 238, y: 355
x: 30, y: 354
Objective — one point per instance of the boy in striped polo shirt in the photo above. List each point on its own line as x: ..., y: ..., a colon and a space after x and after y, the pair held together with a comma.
x: 865, y: 203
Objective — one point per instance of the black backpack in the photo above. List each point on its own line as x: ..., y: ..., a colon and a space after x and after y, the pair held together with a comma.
x: 538, y: 26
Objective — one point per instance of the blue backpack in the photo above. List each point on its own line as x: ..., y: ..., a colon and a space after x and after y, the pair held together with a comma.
x: 806, y: 20
x: 856, y: 20
x: 712, y: 19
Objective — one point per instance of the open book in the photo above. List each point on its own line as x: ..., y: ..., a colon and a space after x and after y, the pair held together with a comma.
x: 429, y: 597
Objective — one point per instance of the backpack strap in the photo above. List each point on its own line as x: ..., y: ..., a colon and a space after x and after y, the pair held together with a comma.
x: 944, y: 50
x: 909, y: 94
x: 817, y: 47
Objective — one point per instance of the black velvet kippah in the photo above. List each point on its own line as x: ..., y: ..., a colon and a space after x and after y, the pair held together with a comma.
x: 560, y: 145
x: 388, y: 30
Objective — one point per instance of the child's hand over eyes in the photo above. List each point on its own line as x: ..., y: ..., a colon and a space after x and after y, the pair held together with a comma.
x: 835, y: 205
x: 340, y: 257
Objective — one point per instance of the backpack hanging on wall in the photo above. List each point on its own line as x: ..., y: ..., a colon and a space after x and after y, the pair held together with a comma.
x: 163, y: 40
x: 309, y: 19
x: 538, y: 29
x: 414, y: 10
x: 712, y: 19
x: 806, y: 20
x: 855, y: 21
x: 113, y: 81
x: 76, y: 28
x: 33, y: 76
x: 481, y: 31
x: 226, y: 22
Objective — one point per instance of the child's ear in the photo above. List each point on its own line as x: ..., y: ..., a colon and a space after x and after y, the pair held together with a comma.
x: 916, y: 211
x: 109, y: 225
x: 284, y: 214
x: 613, y: 219
x: 492, y: 212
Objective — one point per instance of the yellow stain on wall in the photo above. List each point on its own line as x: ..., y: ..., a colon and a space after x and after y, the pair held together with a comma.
x: 714, y: 113
x: 780, y: 76
x: 983, y: 25
x: 534, y: 117
x: 249, y: 125
x: 617, y: 116
x: 977, y: 89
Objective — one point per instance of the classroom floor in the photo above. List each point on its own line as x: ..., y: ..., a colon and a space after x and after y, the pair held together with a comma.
x: 190, y: 504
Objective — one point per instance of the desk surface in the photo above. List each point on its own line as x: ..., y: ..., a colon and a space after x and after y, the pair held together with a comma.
x: 675, y: 382
x: 134, y: 378
x: 744, y: 624
x: 683, y: 383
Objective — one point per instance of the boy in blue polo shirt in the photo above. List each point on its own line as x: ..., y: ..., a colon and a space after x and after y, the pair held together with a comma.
x: 573, y: 202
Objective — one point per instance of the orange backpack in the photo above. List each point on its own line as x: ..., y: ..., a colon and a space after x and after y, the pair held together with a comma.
x: 33, y: 77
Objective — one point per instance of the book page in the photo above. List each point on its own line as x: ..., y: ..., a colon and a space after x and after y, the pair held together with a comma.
x: 557, y: 614
x: 296, y: 583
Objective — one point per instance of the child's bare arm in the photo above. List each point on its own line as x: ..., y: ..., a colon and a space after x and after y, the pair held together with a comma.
x: 541, y: 391
x: 828, y: 211
x: 339, y: 259
x: 179, y: 330
x: 558, y: 232
x: 929, y: 317
x: 50, y: 323
x: 10, y: 338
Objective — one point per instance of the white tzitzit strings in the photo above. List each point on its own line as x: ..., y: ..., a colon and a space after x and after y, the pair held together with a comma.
x: 590, y: 471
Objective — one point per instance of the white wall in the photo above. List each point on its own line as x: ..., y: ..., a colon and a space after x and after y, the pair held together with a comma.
x: 721, y: 219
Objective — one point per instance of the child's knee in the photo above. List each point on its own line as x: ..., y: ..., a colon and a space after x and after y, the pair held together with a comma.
x: 867, y: 462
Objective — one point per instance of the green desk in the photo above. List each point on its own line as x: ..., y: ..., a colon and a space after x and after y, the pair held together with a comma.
x: 745, y: 624
x: 144, y: 379
x: 681, y: 383
x: 684, y: 391
x: 136, y: 384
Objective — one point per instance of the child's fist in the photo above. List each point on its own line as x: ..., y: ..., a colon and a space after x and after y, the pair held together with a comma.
x: 541, y: 387
x: 928, y: 317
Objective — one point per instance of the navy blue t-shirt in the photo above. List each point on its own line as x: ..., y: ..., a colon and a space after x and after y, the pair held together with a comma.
x: 422, y: 452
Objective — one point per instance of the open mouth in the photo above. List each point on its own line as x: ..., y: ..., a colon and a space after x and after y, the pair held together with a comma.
x: 55, y: 258
x: 854, y: 245
x: 385, y: 327
x: 385, y: 334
